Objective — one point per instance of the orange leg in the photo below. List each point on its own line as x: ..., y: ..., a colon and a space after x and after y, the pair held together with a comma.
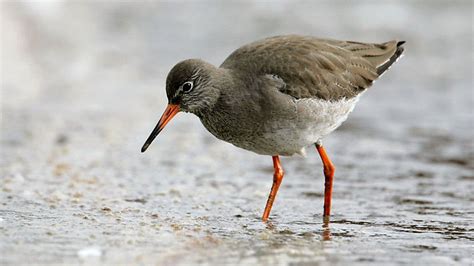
x: 329, y: 170
x: 277, y: 178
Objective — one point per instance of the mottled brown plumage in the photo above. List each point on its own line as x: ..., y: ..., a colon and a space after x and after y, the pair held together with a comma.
x: 316, y: 68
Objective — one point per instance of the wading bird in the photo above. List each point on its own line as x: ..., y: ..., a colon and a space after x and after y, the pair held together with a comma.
x: 278, y: 95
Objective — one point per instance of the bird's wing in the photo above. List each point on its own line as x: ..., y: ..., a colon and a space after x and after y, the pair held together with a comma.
x: 316, y: 68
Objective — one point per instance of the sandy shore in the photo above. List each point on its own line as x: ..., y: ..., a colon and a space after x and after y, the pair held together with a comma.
x: 83, y: 85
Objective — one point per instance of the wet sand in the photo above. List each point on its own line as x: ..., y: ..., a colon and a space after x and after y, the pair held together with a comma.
x: 83, y: 85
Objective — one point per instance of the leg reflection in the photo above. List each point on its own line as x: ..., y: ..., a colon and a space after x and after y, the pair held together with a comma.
x: 326, y: 230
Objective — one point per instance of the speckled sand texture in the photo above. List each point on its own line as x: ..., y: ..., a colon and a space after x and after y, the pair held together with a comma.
x: 82, y: 86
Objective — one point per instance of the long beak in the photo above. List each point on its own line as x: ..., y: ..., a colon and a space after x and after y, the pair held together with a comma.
x: 171, y: 110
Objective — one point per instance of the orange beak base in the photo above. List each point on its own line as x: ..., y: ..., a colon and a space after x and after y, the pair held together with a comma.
x: 170, y: 112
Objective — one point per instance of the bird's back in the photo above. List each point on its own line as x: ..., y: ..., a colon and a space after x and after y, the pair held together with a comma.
x: 316, y: 68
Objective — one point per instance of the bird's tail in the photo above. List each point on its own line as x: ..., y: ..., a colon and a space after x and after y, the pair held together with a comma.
x: 386, y: 65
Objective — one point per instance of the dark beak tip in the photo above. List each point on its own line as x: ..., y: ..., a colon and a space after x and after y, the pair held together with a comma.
x: 171, y: 110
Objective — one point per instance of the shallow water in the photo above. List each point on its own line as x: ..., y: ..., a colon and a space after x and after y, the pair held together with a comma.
x: 84, y: 86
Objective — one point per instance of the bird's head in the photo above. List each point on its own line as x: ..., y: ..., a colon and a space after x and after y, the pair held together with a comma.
x: 190, y: 87
x: 190, y: 84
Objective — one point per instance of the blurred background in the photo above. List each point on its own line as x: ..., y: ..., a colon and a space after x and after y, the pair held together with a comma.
x: 83, y: 84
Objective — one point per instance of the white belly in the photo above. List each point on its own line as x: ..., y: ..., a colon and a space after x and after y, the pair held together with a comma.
x: 315, y: 118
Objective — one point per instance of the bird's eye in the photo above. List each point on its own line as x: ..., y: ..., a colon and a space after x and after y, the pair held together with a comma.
x: 187, y: 86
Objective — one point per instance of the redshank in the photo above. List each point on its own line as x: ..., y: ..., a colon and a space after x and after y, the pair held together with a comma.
x: 278, y: 95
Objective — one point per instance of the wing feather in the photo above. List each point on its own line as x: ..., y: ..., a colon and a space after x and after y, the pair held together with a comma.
x: 315, y: 68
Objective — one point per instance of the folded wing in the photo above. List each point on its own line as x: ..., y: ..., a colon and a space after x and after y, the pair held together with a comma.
x: 316, y: 68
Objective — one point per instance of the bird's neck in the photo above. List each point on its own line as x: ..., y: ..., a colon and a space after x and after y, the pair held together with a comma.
x: 221, y: 82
